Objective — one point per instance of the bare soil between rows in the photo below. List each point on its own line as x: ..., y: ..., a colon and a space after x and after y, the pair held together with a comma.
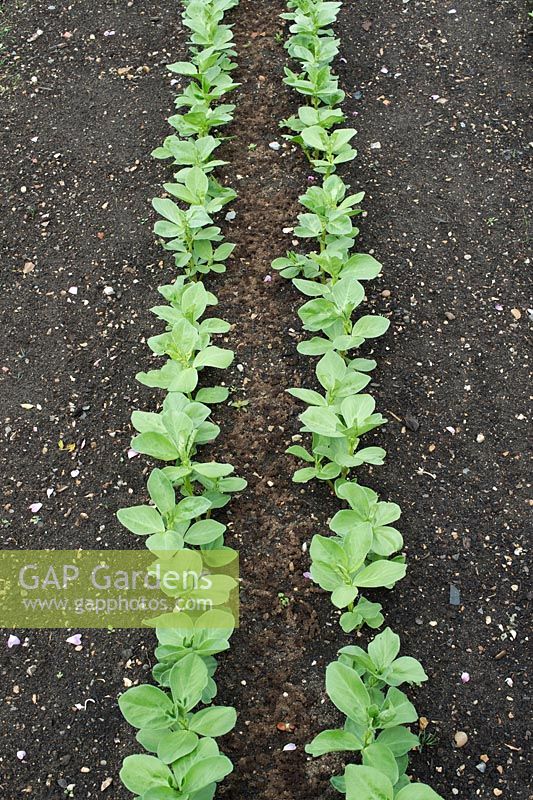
x: 437, y: 92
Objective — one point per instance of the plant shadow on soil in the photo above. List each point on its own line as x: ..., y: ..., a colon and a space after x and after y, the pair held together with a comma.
x: 443, y: 95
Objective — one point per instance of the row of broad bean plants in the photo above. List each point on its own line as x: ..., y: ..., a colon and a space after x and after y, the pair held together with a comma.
x: 364, y: 550
x: 183, y: 758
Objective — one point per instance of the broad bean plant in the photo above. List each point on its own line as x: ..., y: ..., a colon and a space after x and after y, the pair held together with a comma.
x: 363, y: 550
x: 182, y: 757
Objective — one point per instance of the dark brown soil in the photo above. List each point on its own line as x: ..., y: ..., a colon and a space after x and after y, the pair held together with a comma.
x: 444, y: 95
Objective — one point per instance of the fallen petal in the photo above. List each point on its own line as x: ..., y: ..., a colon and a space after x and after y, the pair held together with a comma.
x: 35, y: 507
x: 13, y: 641
x: 289, y: 747
x: 75, y: 640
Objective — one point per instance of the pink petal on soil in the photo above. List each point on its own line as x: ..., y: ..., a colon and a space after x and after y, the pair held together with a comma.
x: 465, y: 677
x: 307, y: 575
x: 13, y: 641
x: 21, y: 755
x: 75, y: 640
x: 132, y: 453
x: 289, y: 747
x: 35, y: 507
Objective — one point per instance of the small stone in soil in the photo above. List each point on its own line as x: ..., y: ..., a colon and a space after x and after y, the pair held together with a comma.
x: 455, y: 595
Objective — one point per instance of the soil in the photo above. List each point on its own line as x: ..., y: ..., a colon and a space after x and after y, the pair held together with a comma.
x: 441, y: 88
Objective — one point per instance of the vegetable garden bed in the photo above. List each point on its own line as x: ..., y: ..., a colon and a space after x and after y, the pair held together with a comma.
x: 436, y: 99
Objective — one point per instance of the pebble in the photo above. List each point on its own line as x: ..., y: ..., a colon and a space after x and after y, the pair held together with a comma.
x: 108, y: 291
x: 460, y: 739
x: 449, y: 315
x: 455, y: 595
x: 275, y: 146
x: 480, y: 438
x: 375, y: 146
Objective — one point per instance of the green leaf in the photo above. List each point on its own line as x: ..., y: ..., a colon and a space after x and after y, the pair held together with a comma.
x: 304, y: 475
x: 396, y: 710
x: 326, y: 549
x: 369, y: 327
x: 186, y: 381
x: 161, y: 491
x: 300, y: 452
x: 406, y: 670
x: 356, y: 545
x: 205, y: 772
x: 333, y: 741
x: 156, y: 445
x: 204, y: 532
x: 215, y: 394
x: 344, y: 522
x: 191, y: 507
x: 378, y: 756
x: 318, y: 315
x: 386, y: 541
x: 366, y: 783
x: 343, y: 596
x: 176, y: 744
x: 399, y: 740
x: 362, y: 266
x: 214, y: 357
x: 163, y: 793
x: 418, y: 791
x: 380, y: 573
x: 211, y: 469
x: 150, y: 738
x: 347, y: 293
x: 147, y: 707
x: 183, y: 68
x: 188, y: 679
x: 308, y: 396
x: 179, y: 427
x: 309, y: 288
x: 197, y: 182
x: 141, y: 520
x: 315, y: 137
x: 347, y: 691
x: 323, y: 421
x: 330, y: 370
x: 384, y: 648
x: 168, y: 209
x: 140, y: 773
x: 161, y: 543
x: 215, y: 721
